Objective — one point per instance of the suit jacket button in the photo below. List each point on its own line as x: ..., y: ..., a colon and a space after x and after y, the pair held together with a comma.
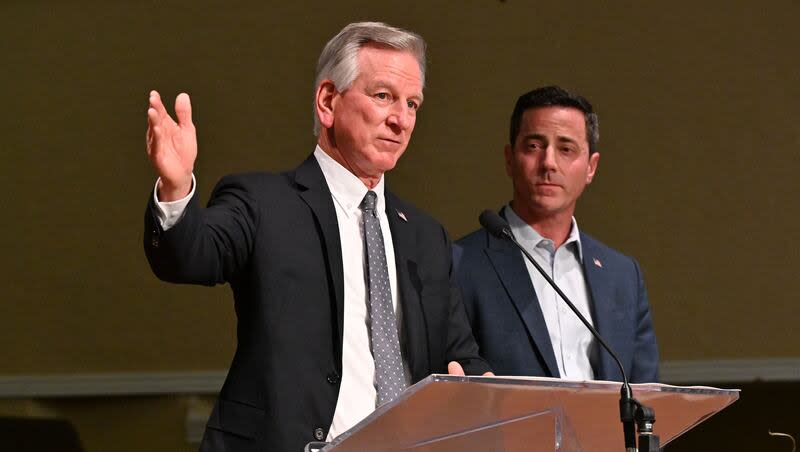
x: 319, y: 434
x: 154, y: 242
x: 333, y: 378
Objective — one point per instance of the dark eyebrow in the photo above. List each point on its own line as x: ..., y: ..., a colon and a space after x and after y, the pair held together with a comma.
x: 560, y: 138
x: 533, y: 136
x: 563, y: 139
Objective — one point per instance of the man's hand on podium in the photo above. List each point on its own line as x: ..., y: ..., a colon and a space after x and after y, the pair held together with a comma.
x: 454, y: 368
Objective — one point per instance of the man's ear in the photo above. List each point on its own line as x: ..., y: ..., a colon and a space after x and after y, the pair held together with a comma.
x: 594, y: 159
x: 324, y: 103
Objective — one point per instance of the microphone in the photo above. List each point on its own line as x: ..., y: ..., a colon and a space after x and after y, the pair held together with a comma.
x: 495, y: 224
x: 628, y: 406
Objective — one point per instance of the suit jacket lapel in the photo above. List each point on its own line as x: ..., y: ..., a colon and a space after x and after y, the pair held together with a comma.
x: 513, y: 273
x: 409, y: 286
x: 603, y: 307
x: 315, y: 193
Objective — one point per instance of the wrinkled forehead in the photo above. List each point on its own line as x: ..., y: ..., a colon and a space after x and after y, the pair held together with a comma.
x: 390, y: 68
x: 375, y: 57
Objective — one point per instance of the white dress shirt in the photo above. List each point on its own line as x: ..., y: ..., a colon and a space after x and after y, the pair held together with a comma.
x: 573, y: 344
x: 171, y: 212
x: 357, y: 394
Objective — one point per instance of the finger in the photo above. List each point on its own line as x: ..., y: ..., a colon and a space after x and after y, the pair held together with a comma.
x: 153, y: 127
x: 155, y: 131
x: 488, y: 374
x: 183, y: 109
x: 154, y: 99
x: 158, y: 106
x: 149, y: 140
x: 454, y: 368
x: 153, y: 118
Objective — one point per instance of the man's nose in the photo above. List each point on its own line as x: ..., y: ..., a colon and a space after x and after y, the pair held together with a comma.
x: 549, y: 158
x: 400, y: 116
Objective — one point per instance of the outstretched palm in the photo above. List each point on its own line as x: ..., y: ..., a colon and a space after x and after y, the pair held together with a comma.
x: 171, y: 146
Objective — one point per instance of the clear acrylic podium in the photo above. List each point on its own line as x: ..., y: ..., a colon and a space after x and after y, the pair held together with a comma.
x: 445, y: 413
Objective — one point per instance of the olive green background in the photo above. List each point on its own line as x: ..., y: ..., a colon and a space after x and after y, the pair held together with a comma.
x: 698, y: 107
x: 698, y: 110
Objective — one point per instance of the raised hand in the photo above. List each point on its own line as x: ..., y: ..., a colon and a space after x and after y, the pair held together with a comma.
x: 171, y: 146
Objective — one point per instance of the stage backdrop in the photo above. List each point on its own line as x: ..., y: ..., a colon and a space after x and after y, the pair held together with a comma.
x: 698, y: 108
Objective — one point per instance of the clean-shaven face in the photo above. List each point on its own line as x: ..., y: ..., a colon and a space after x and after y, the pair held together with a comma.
x: 375, y: 116
x: 549, y: 162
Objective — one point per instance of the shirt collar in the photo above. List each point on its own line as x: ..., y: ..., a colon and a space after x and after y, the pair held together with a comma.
x: 524, y: 233
x: 347, y: 190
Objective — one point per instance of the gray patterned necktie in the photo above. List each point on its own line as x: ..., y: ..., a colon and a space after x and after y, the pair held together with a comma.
x: 389, y: 376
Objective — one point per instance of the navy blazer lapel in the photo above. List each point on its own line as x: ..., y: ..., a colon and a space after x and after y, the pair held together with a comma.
x: 409, y: 284
x: 603, y: 306
x: 513, y: 273
x: 315, y: 193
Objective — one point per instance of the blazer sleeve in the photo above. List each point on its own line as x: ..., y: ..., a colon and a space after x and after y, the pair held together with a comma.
x: 461, y: 344
x: 208, y: 245
x: 645, y: 353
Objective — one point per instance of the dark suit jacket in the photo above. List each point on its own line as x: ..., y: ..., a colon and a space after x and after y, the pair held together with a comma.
x: 275, y: 239
x: 507, y: 320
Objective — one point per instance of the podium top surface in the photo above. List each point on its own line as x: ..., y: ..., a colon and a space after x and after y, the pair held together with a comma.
x: 447, y: 412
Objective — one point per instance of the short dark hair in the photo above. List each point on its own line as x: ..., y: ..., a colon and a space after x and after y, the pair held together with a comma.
x: 555, y: 96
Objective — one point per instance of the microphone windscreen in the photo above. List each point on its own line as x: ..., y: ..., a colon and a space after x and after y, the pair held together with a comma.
x: 494, y: 223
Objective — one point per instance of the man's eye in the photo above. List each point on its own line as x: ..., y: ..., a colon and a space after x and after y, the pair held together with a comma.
x: 382, y: 96
x: 413, y: 105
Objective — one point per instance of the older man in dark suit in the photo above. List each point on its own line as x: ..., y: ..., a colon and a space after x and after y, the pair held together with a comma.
x: 343, y: 291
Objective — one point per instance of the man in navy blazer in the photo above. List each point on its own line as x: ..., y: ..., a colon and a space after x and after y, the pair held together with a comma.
x: 521, y: 325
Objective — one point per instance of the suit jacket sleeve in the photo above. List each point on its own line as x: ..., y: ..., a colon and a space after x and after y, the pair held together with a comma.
x: 462, y: 346
x: 645, y: 353
x: 207, y: 246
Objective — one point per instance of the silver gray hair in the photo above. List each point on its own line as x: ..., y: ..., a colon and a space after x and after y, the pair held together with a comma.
x: 339, y: 59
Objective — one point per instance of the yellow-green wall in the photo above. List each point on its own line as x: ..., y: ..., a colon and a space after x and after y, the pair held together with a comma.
x: 698, y: 105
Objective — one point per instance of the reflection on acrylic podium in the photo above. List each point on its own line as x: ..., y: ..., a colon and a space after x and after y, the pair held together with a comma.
x: 444, y: 413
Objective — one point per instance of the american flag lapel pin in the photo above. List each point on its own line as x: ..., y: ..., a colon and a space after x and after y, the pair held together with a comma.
x: 402, y: 216
x: 597, y: 262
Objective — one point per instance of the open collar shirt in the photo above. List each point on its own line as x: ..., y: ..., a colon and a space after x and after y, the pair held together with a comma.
x: 573, y: 344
